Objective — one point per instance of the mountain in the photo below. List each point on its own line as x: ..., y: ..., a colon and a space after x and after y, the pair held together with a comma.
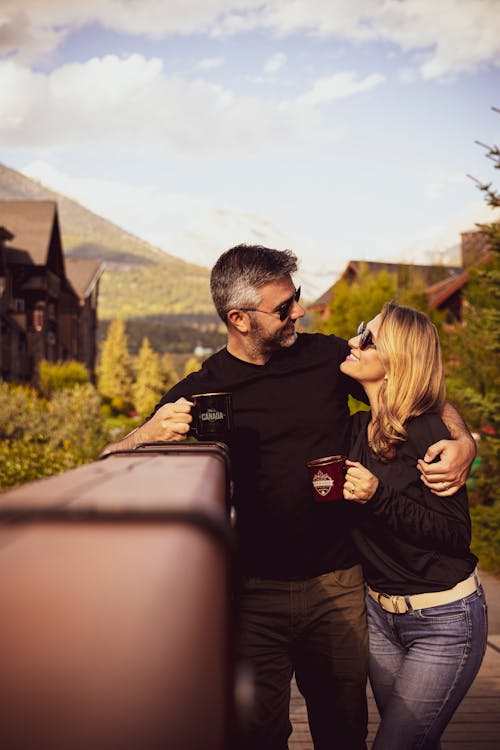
x: 140, y: 279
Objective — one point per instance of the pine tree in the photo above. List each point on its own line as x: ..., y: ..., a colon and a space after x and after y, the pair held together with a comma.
x: 474, y: 376
x: 168, y: 373
x: 473, y: 381
x: 115, y: 371
x: 148, y: 387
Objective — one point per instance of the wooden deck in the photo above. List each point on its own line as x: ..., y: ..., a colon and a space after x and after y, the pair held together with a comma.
x: 476, y: 724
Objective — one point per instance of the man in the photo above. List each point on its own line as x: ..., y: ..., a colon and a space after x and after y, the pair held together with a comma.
x: 301, y: 593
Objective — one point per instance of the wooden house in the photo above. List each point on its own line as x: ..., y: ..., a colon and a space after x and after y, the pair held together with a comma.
x: 442, y: 284
x: 48, y: 304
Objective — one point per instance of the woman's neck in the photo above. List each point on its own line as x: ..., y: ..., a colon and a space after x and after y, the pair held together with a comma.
x: 372, y: 390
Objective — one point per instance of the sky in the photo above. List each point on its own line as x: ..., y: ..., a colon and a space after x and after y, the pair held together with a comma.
x: 342, y: 129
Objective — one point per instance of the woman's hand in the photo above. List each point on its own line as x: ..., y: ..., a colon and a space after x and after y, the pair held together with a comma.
x: 360, y: 484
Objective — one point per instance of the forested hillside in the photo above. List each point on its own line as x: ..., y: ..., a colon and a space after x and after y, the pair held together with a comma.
x: 141, y: 283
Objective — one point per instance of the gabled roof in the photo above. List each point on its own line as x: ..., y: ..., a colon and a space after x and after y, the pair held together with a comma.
x: 428, y: 273
x: 31, y: 224
x: 83, y: 274
x: 438, y: 293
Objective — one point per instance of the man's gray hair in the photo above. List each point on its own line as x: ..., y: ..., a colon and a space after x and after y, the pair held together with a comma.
x: 241, y: 271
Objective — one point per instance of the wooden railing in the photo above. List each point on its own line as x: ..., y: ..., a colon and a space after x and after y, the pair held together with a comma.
x: 115, y: 617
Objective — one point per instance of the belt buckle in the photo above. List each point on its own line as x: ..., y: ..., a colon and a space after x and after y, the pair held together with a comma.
x: 393, y: 598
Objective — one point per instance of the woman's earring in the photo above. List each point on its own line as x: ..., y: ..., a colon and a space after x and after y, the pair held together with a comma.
x: 386, y: 378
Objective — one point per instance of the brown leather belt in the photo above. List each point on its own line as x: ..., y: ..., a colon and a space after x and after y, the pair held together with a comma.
x: 398, y: 605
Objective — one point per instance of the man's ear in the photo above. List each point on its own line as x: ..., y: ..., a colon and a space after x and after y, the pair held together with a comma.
x: 239, y: 320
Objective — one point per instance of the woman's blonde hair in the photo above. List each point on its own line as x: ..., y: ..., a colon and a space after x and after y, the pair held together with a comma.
x: 408, y: 345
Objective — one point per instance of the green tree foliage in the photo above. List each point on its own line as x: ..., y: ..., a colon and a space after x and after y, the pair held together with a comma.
x: 172, y: 333
x: 364, y: 297
x: 56, y: 376
x: 22, y: 413
x: 473, y: 377
x: 360, y: 300
x: 486, y: 535
x: 115, y: 368
x: 491, y: 193
x: 168, y: 373
x: 192, y: 365
x: 148, y: 386
x: 40, y: 437
x: 74, y: 421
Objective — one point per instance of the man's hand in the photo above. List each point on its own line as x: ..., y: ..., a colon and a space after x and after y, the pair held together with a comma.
x: 448, y: 474
x: 170, y: 423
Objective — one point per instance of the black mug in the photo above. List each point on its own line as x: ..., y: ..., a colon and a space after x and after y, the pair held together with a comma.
x: 212, y: 416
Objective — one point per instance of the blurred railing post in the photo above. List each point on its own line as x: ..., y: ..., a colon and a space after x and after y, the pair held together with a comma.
x: 116, y: 627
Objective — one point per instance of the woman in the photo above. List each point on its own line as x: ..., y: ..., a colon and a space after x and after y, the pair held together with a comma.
x: 426, y: 608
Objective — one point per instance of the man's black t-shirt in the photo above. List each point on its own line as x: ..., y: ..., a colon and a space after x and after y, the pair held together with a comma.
x: 287, y: 412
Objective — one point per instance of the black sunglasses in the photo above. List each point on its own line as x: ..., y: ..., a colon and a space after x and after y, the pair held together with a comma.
x: 283, y: 310
x: 366, y: 339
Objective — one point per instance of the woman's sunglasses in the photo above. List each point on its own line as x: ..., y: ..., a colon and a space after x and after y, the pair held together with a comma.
x: 366, y: 339
x: 283, y: 310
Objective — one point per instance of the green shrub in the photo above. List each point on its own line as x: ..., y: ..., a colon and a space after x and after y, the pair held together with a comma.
x: 74, y: 421
x: 56, y: 376
x: 22, y: 413
x: 482, y: 483
x: 41, y: 437
x: 25, y: 460
x: 486, y: 536
x: 117, y: 426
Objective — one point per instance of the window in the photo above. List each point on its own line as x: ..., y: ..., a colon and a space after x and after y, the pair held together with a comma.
x: 38, y: 320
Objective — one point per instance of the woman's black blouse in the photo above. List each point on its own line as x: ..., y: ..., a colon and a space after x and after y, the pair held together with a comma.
x: 410, y: 540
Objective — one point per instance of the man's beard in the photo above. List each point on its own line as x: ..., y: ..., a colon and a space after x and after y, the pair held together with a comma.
x: 266, y: 343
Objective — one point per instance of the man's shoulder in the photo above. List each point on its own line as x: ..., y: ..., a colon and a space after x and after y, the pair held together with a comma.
x: 321, y: 345
x: 199, y: 380
x: 321, y: 340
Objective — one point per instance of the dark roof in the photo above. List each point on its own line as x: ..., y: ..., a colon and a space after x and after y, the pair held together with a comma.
x: 83, y: 274
x: 438, y: 293
x: 427, y: 272
x: 30, y: 224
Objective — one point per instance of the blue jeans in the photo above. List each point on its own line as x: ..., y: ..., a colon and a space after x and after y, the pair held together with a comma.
x: 421, y: 665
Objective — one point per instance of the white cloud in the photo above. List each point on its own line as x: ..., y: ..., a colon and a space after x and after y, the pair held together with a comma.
x: 440, y: 179
x: 111, y: 101
x: 431, y: 244
x: 408, y: 75
x: 114, y: 102
x: 448, y: 37
x: 210, y: 63
x: 31, y: 28
x: 275, y: 63
x: 340, y: 85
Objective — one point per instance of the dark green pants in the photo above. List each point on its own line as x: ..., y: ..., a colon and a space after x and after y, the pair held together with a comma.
x: 314, y: 628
